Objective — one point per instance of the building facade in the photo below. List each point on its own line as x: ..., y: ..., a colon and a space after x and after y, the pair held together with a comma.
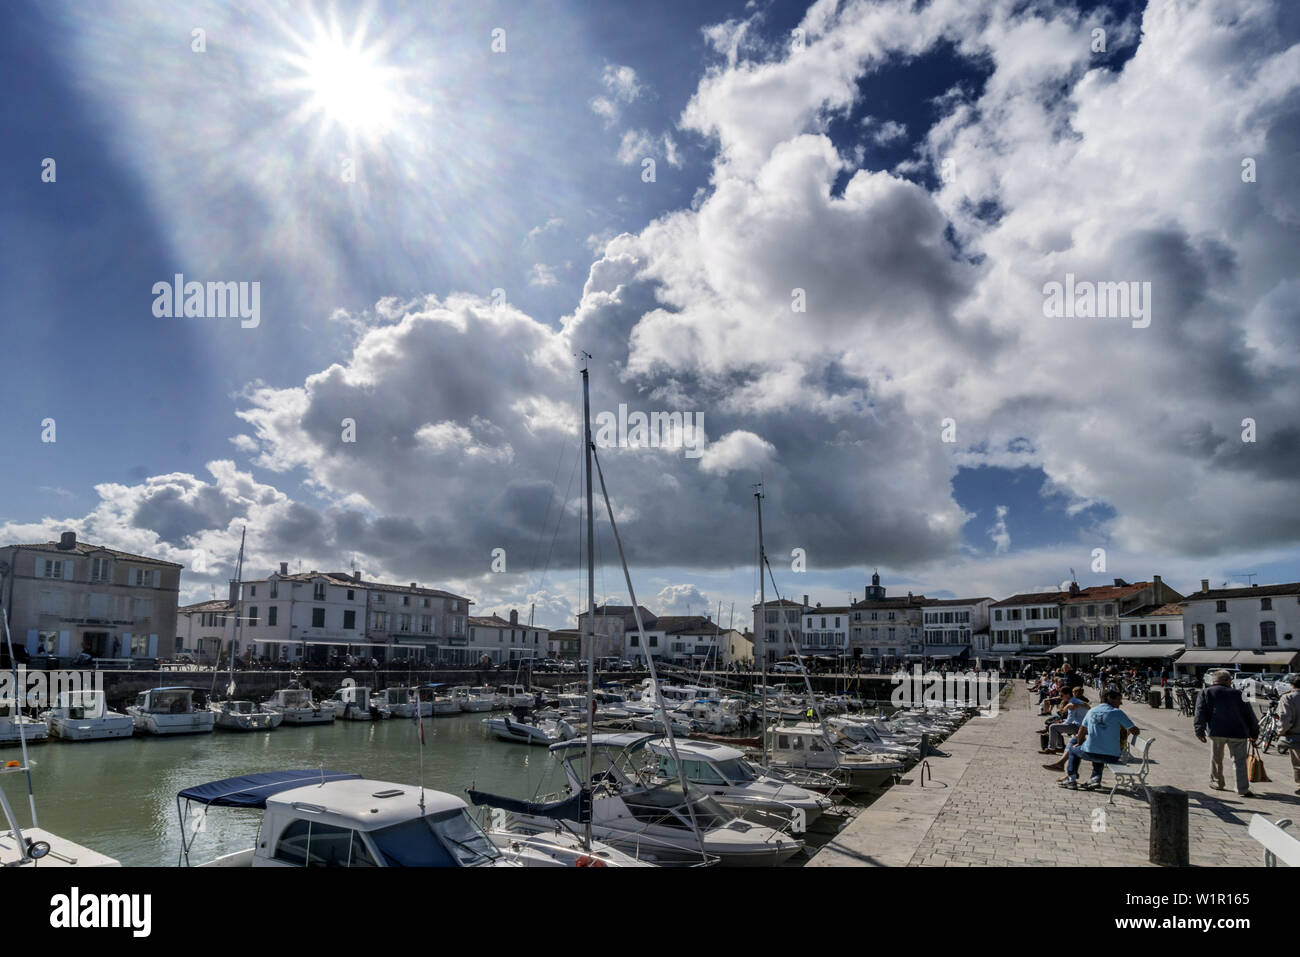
x: 950, y: 626
x: 1242, y: 629
x: 69, y: 597
x: 887, y: 631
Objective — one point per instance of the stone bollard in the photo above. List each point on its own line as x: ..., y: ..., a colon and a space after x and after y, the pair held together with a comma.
x: 1169, y: 827
x: 1153, y: 697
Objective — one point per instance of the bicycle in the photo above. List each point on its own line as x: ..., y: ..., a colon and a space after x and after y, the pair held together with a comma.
x: 1269, y: 727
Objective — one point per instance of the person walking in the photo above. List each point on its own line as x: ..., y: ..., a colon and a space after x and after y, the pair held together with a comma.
x: 1288, y: 713
x: 1230, y: 722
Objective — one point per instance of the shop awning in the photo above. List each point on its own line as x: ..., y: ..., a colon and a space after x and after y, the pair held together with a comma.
x: 1279, y: 658
x: 1208, y: 656
x: 1040, y: 631
x: 1137, y: 649
x: 1086, y: 648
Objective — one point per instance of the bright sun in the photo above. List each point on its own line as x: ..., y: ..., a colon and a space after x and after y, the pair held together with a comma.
x: 345, y: 82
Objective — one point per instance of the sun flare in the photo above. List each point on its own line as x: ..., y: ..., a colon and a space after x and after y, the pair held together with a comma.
x: 345, y: 82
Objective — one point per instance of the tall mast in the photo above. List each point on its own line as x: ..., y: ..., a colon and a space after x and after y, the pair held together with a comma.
x: 760, y: 639
x: 591, y: 586
x: 239, y: 588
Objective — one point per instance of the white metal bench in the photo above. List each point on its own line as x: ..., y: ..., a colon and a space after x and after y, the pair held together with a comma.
x: 1278, y: 844
x: 1132, y: 777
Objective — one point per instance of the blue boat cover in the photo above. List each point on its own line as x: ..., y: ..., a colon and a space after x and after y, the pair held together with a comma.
x: 576, y: 808
x: 252, y: 790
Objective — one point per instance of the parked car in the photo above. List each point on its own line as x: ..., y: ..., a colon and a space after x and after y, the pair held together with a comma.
x: 786, y: 668
x: 1208, y: 679
x: 625, y: 665
x: 547, y: 664
x: 568, y: 667
x: 1257, y: 684
x: 1284, y: 684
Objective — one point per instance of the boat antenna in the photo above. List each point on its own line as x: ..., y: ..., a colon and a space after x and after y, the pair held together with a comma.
x: 22, y: 737
x: 650, y: 663
x: 812, y: 698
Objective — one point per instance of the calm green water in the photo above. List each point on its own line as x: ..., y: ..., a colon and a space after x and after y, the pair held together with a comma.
x: 119, y: 797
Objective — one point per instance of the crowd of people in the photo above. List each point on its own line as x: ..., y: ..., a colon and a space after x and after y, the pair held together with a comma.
x: 1077, y: 730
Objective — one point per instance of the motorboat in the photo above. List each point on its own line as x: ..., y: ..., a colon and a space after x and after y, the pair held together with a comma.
x: 530, y: 729
x: 401, y: 702
x: 515, y: 696
x: 13, y: 723
x: 471, y: 699
x: 238, y: 715
x: 337, y: 819
x: 296, y: 706
x: 354, y: 703
x: 660, y: 822
x: 725, y: 775
x: 84, y: 716
x: 440, y: 703
x: 808, y: 746
x: 863, y: 735
x: 171, y: 711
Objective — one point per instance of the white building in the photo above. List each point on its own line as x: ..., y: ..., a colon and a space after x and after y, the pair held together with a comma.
x: 206, y: 629
x: 1024, y: 624
x: 1242, y: 629
x: 825, y: 630
x: 502, y: 642
x: 951, y: 624
x: 777, y: 627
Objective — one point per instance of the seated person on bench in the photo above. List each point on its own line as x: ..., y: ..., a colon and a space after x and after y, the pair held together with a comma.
x: 1103, y: 733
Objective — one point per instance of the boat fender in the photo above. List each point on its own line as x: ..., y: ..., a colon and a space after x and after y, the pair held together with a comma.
x: 588, y: 861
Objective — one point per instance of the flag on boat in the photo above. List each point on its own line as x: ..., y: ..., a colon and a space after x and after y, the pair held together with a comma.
x: 419, y: 717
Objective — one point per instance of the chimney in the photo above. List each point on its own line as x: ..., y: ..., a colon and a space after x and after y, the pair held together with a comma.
x: 1120, y: 583
x: 414, y: 585
x: 284, y: 568
x: 1205, y: 584
x: 805, y: 601
x: 356, y: 576
x: 514, y: 617
x: 68, y: 541
x: 1157, y: 587
x: 1074, y: 588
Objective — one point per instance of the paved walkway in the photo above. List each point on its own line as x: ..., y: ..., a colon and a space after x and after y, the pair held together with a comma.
x: 991, y: 803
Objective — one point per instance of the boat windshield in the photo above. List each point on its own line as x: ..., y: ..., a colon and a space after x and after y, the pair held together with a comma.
x: 447, y: 839
x: 664, y: 805
x: 737, y: 770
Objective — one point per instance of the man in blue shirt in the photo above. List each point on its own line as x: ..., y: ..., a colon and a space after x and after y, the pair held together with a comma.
x: 1103, y: 733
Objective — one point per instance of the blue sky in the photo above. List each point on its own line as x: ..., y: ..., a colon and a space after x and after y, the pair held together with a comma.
x: 521, y: 171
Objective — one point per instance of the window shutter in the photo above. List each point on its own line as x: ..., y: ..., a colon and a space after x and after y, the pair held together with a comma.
x: 40, y: 568
x: 67, y: 570
x: 157, y: 578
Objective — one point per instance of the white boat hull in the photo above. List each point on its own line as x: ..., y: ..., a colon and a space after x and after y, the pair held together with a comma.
x: 195, y: 722
x: 92, y: 729
x: 322, y: 715
x: 32, y: 731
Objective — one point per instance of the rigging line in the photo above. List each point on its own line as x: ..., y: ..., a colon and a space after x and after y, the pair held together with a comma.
x: 546, y: 517
x: 650, y: 662
x: 559, y: 521
x: 812, y: 698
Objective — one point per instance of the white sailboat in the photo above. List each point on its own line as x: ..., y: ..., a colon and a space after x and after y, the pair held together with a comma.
x: 295, y: 706
x: 234, y: 714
